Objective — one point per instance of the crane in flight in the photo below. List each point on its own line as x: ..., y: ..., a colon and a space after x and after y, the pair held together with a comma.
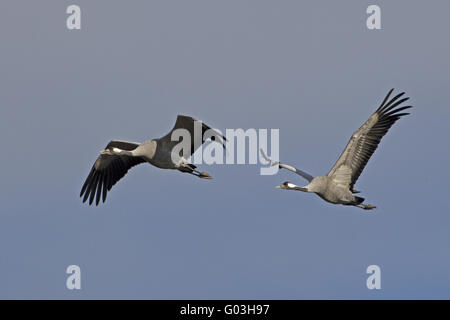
x: 337, y: 186
x: 119, y: 156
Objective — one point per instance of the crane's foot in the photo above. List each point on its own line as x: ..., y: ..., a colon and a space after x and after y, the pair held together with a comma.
x: 204, y: 175
x: 366, y: 206
x: 190, y: 168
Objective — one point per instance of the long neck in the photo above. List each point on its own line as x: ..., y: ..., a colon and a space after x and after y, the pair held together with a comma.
x: 291, y: 186
x: 300, y: 189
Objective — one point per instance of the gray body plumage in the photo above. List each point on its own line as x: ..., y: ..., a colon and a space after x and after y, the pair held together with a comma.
x: 330, y: 191
x: 337, y: 186
x: 120, y: 156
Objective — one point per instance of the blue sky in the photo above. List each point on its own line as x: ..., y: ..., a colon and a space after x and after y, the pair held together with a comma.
x: 309, y: 68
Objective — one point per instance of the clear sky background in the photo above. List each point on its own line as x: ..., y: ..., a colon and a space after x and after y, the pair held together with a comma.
x: 310, y: 68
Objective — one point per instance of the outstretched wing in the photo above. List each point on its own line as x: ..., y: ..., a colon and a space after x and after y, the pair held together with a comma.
x: 185, y: 122
x: 364, y: 142
x: 288, y: 167
x: 107, y: 170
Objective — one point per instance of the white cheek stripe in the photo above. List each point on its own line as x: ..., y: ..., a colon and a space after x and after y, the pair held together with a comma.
x: 116, y: 150
x: 291, y: 185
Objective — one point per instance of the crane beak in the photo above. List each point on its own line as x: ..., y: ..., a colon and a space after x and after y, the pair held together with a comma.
x: 280, y: 187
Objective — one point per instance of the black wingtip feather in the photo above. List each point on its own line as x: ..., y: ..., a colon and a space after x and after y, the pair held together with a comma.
x: 392, y: 101
x: 89, y: 186
x: 86, y: 183
x: 93, y: 188
x: 394, y: 112
x: 385, y: 99
x: 99, y: 190
x: 104, y: 189
x: 402, y: 114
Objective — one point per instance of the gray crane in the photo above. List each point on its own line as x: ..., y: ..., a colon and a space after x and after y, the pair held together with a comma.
x: 119, y: 156
x: 337, y: 186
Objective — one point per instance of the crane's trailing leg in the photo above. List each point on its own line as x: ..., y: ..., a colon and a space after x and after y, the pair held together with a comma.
x: 184, y: 166
x: 366, y: 206
x: 202, y: 175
